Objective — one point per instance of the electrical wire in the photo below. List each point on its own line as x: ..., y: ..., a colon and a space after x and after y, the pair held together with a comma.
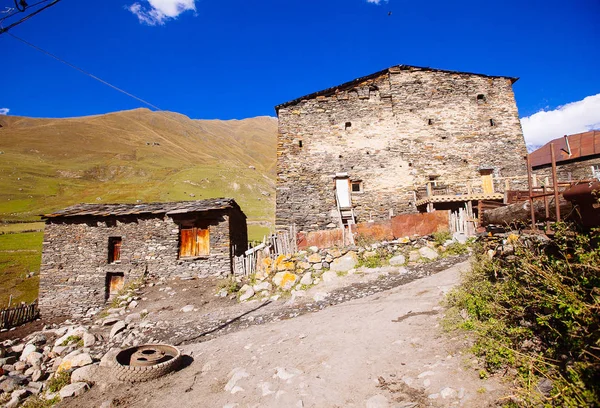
x: 4, y: 30
x: 19, y: 11
x: 83, y: 71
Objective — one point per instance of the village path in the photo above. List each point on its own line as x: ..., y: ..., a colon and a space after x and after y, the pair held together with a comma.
x: 384, y: 350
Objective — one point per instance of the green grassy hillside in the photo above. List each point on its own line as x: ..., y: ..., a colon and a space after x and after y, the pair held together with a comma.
x: 138, y: 155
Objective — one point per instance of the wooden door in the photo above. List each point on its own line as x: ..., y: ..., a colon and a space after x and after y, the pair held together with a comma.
x: 342, y: 190
x: 487, y: 182
x: 116, y: 283
x: 187, y: 244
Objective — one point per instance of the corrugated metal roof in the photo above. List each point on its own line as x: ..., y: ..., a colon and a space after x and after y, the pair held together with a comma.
x: 581, y: 144
x: 349, y: 84
x: 181, y: 207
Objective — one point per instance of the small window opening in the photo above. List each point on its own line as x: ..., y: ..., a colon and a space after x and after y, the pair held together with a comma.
x: 340, y: 156
x: 444, y: 137
x: 430, y: 122
x: 299, y: 143
x: 492, y: 122
x: 481, y: 98
x: 114, y: 249
x: 348, y: 124
x: 356, y: 186
x: 409, y: 164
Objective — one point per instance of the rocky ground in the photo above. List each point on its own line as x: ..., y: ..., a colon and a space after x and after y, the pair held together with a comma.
x: 190, y: 312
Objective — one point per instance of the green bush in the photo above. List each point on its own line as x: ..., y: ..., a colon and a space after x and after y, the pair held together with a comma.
x: 59, y: 380
x: 537, y: 312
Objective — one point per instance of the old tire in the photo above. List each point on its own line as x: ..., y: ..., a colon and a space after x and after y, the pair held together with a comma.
x: 122, y: 371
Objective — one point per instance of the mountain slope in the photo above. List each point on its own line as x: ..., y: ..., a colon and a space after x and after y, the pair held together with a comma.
x: 47, y: 164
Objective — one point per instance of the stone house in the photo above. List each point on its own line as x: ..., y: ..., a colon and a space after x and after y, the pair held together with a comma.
x: 401, y: 140
x: 577, y: 158
x: 91, y: 251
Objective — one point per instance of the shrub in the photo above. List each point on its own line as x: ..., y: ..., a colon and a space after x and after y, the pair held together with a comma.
x: 441, y: 237
x: 59, y: 380
x: 537, y: 312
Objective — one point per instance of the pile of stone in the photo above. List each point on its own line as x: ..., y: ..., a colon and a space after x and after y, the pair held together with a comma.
x: 298, y: 272
x: 33, y: 365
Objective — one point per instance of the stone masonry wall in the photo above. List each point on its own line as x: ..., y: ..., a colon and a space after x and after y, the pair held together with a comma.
x: 578, y: 170
x: 393, y: 132
x: 75, y: 256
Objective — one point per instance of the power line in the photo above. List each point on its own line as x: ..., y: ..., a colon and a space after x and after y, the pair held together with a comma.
x: 17, y: 11
x: 83, y: 71
x: 4, y: 30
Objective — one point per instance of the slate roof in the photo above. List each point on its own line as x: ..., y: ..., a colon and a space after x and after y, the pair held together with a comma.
x: 395, y: 68
x: 181, y: 207
x: 582, y: 145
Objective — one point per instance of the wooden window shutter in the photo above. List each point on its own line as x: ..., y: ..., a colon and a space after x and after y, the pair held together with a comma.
x: 202, y: 241
x: 187, y: 246
x: 114, y: 249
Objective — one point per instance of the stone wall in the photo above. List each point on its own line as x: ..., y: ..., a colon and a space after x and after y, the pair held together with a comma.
x: 393, y: 132
x: 75, y: 255
x: 576, y: 170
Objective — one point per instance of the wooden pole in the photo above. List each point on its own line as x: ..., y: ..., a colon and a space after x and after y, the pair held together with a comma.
x: 530, y: 192
x: 555, y: 182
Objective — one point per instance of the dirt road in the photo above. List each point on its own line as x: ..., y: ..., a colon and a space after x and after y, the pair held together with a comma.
x: 384, y: 350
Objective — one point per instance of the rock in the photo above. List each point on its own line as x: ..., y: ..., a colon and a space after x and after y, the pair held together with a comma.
x: 259, y: 287
x: 37, y: 375
x: 461, y: 238
x: 8, y: 360
x: 448, y: 392
x: 285, y: 280
x: 247, y: 294
x: 132, y: 305
x: 73, y: 390
x: 334, y: 253
x: 109, y: 321
x: 378, y: 401
x: 414, y: 256
x: 314, y: 248
x: 9, y: 384
x: 345, y: 263
x: 428, y: 253
x: 74, y: 360
x: 329, y: 276
x: 89, y: 339
x: 286, y: 374
x: 71, y: 332
x: 318, y: 266
x: 37, y: 340
x: 85, y: 374
x: 235, y: 375
x: 35, y: 387
x: 109, y: 358
x: 369, y: 254
x: 117, y: 328
x: 320, y: 296
x: 315, y: 258
x: 426, y: 374
x: 398, y: 260
x: 30, y: 348
x: 306, y: 279
x: 187, y: 308
x: 17, y: 348
x: 302, y: 265
x: 35, y: 359
x: 20, y: 366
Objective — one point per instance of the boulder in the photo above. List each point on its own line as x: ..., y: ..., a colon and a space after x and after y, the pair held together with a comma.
x: 315, y: 258
x: 89, y: 339
x: 306, y: 279
x: 398, y: 260
x: 414, y: 256
x: 28, y: 349
x: 73, y: 390
x: 108, y: 359
x: 246, y: 294
x: 285, y: 280
x: 345, y: 263
x: 329, y: 276
x: 73, y: 360
x: 186, y: 309
x: 35, y: 359
x: 460, y: 237
x: 262, y: 286
x: 428, y: 253
x: 85, y: 374
x: 117, y: 328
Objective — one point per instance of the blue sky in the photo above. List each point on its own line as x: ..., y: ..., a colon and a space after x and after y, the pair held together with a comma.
x: 236, y: 59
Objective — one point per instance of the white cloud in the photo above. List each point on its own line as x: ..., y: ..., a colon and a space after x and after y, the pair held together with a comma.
x: 377, y: 1
x: 157, y: 12
x: 4, y: 111
x: 574, y: 117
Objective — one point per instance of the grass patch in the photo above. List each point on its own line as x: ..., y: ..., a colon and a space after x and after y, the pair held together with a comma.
x: 59, y: 380
x: 230, y: 285
x: 20, y: 256
x: 35, y: 401
x: 12, y: 228
x: 73, y: 339
x: 441, y: 237
x: 537, y: 312
x: 375, y: 261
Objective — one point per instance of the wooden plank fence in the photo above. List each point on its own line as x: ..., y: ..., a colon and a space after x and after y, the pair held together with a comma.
x: 18, y: 315
x: 280, y: 243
